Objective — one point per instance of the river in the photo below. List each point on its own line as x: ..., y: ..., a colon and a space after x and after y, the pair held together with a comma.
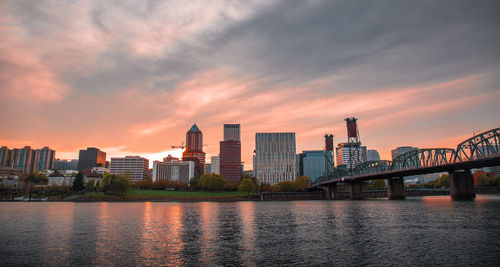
x: 420, y: 231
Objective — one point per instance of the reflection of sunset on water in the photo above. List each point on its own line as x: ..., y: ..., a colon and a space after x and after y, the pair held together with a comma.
x: 247, y: 215
x: 209, y: 213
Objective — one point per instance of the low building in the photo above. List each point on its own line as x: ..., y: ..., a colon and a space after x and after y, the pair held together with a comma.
x: 135, y: 167
x: 172, y: 169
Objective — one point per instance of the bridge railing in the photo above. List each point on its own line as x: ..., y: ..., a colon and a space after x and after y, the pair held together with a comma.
x: 480, y: 146
x: 422, y: 158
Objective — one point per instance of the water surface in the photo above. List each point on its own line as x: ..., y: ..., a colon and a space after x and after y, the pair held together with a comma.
x: 418, y: 231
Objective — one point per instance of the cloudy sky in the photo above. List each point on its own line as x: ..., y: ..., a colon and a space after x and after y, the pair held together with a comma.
x: 131, y: 77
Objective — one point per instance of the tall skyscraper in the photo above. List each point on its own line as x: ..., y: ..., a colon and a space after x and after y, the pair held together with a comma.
x: 232, y: 132
x: 91, y: 157
x: 194, y: 150
x: 136, y: 167
x: 46, y: 159
x: 230, y: 153
x: 275, y: 157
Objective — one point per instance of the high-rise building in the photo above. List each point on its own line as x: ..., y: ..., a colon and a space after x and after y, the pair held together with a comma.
x: 232, y: 132
x: 372, y: 155
x: 172, y: 169
x: 24, y: 159
x: 91, y: 157
x: 66, y: 164
x: 46, y: 159
x: 135, y: 167
x: 230, y: 153
x: 215, y: 164
x: 208, y: 167
x: 194, y: 150
x: 344, y: 152
x: 312, y: 163
x: 401, y: 150
x: 275, y: 157
x: 5, y: 157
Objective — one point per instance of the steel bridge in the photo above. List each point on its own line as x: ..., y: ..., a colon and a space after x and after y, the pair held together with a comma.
x: 481, y: 150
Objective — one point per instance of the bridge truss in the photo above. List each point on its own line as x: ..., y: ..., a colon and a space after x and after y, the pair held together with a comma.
x: 481, y: 146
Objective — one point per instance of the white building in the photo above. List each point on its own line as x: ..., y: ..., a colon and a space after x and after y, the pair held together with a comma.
x: 215, y: 164
x: 345, y: 151
x: 133, y: 166
x: 173, y: 170
x: 275, y: 157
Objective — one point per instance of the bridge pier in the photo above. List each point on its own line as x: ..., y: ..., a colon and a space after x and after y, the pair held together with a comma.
x: 356, y: 190
x: 396, y: 188
x: 332, y: 192
x: 461, y: 185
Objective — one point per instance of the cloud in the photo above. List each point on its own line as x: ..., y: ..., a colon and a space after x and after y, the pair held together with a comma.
x: 136, y: 74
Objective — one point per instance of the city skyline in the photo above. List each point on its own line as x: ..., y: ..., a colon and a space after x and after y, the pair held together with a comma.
x: 135, y: 76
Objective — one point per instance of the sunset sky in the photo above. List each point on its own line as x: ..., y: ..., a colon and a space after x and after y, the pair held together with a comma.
x: 131, y: 77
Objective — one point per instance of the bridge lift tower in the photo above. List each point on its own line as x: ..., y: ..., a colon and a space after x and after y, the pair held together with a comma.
x: 353, y: 143
x: 328, y: 155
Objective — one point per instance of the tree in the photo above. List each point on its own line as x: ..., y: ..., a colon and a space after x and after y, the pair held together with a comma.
x: 302, y: 183
x: 146, y: 183
x: 34, y: 178
x: 98, y: 185
x: 246, y: 186
x: 212, y: 182
x: 483, y: 180
x: 286, y: 186
x: 78, y: 184
x: 194, y: 183
x: 372, y: 184
x: 115, y: 184
x: 89, y: 186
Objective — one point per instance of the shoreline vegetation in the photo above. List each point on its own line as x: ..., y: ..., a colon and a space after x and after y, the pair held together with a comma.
x: 140, y: 195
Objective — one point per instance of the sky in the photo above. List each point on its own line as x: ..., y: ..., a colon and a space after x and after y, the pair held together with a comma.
x: 131, y: 77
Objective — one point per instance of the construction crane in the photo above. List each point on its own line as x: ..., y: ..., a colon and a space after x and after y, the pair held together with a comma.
x: 181, y: 146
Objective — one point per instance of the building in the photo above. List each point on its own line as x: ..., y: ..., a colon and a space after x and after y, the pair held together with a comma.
x: 5, y: 157
x: 312, y: 163
x: 275, y: 157
x: 215, y: 164
x: 232, y: 132
x: 135, y: 167
x: 45, y: 159
x: 248, y: 173
x: 172, y: 169
x: 66, y: 164
x: 344, y: 151
x: 401, y: 150
x: 372, y: 155
x: 208, y: 167
x: 230, y: 153
x: 91, y: 157
x: 24, y: 159
x: 194, y: 150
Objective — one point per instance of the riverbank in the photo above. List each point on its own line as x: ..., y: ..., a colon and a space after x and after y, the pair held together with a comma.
x: 135, y: 195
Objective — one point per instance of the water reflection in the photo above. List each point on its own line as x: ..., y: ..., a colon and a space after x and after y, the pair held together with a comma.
x: 247, y: 215
x: 58, y: 225
x: 417, y: 231
x: 209, y: 213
